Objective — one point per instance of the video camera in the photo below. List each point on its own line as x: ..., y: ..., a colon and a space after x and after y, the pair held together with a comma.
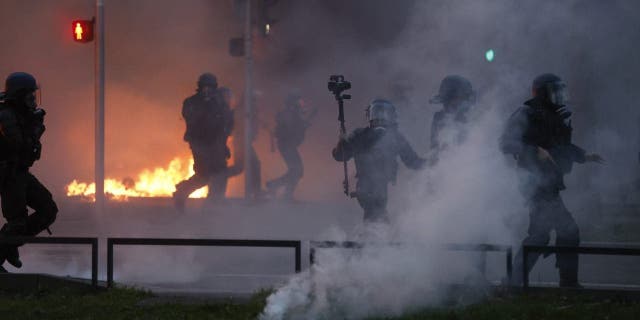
x: 337, y: 85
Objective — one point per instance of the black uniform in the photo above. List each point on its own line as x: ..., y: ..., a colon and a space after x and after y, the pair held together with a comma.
x: 209, y: 124
x: 540, y: 124
x: 375, y: 151
x: 20, y: 131
x: 290, y: 130
x: 447, y: 127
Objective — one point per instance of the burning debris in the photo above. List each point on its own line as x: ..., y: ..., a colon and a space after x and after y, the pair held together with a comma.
x: 158, y: 182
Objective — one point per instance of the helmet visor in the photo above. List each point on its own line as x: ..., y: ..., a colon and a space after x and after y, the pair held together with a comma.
x: 382, y: 113
x: 558, y: 93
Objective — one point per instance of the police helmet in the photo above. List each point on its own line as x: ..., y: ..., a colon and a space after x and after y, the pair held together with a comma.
x: 20, y: 83
x: 454, y: 86
x: 381, y: 112
x: 207, y: 80
x: 550, y: 88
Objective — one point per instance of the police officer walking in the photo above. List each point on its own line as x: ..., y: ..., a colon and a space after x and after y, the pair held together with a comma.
x: 375, y: 150
x: 21, y: 127
x: 209, y: 122
x: 291, y: 126
x: 538, y: 135
x: 448, y: 126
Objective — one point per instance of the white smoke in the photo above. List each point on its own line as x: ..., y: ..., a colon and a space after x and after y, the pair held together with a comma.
x: 470, y: 196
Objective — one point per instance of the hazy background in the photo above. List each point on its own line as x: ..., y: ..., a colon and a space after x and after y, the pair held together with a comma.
x: 395, y: 49
x: 156, y: 49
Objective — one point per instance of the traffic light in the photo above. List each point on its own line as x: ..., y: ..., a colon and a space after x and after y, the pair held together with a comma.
x: 82, y: 30
x: 490, y: 55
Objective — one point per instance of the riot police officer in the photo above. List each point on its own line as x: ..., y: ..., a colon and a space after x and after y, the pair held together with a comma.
x: 375, y: 150
x: 209, y: 122
x: 539, y: 136
x: 448, y: 126
x: 291, y: 126
x: 21, y: 127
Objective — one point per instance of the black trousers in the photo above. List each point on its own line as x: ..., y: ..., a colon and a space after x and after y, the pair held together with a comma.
x: 295, y: 170
x: 374, y: 206
x: 547, y: 213
x: 19, y: 191
x: 255, y: 189
x: 210, y: 168
x: 372, y: 195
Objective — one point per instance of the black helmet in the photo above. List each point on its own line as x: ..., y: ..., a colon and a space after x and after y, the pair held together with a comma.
x: 20, y: 83
x: 207, y: 79
x: 382, y: 112
x: 550, y: 88
x: 453, y: 86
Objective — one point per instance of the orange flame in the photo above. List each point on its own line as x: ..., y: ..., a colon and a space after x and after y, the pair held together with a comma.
x: 159, y: 182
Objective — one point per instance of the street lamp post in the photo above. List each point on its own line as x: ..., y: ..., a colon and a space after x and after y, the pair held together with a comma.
x: 248, y: 100
x: 99, y: 107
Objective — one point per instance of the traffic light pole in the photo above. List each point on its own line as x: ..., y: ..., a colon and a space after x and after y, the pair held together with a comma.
x: 248, y: 101
x: 99, y: 107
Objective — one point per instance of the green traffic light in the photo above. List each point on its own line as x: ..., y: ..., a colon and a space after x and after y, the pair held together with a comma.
x: 489, y: 55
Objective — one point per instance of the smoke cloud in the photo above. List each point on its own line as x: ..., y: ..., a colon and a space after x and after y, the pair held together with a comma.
x: 471, y: 195
x: 399, y: 50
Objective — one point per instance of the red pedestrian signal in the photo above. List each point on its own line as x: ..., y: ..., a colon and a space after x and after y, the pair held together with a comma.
x: 82, y: 30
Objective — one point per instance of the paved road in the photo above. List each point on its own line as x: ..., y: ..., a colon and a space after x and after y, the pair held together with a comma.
x: 235, y: 270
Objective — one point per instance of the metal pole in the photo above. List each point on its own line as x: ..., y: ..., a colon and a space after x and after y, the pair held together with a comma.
x: 509, y: 264
x: 94, y: 262
x: 298, y: 254
x: 109, y: 263
x: 99, y: 106
x: 525, y: 271
x: 248, y: 101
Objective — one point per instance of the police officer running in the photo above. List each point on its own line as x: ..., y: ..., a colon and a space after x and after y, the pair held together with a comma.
x: 538, y: 135
x: 448, y: 126
x: 291, y: 126
x: 209, y: 122
x: 21, y: 127
x: 375, y: 150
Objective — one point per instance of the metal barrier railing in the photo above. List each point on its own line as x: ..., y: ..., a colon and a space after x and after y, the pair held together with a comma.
x: 111, y: 242
x: 590, y: 249
x: 313, y: 245
x: 63, y: 240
